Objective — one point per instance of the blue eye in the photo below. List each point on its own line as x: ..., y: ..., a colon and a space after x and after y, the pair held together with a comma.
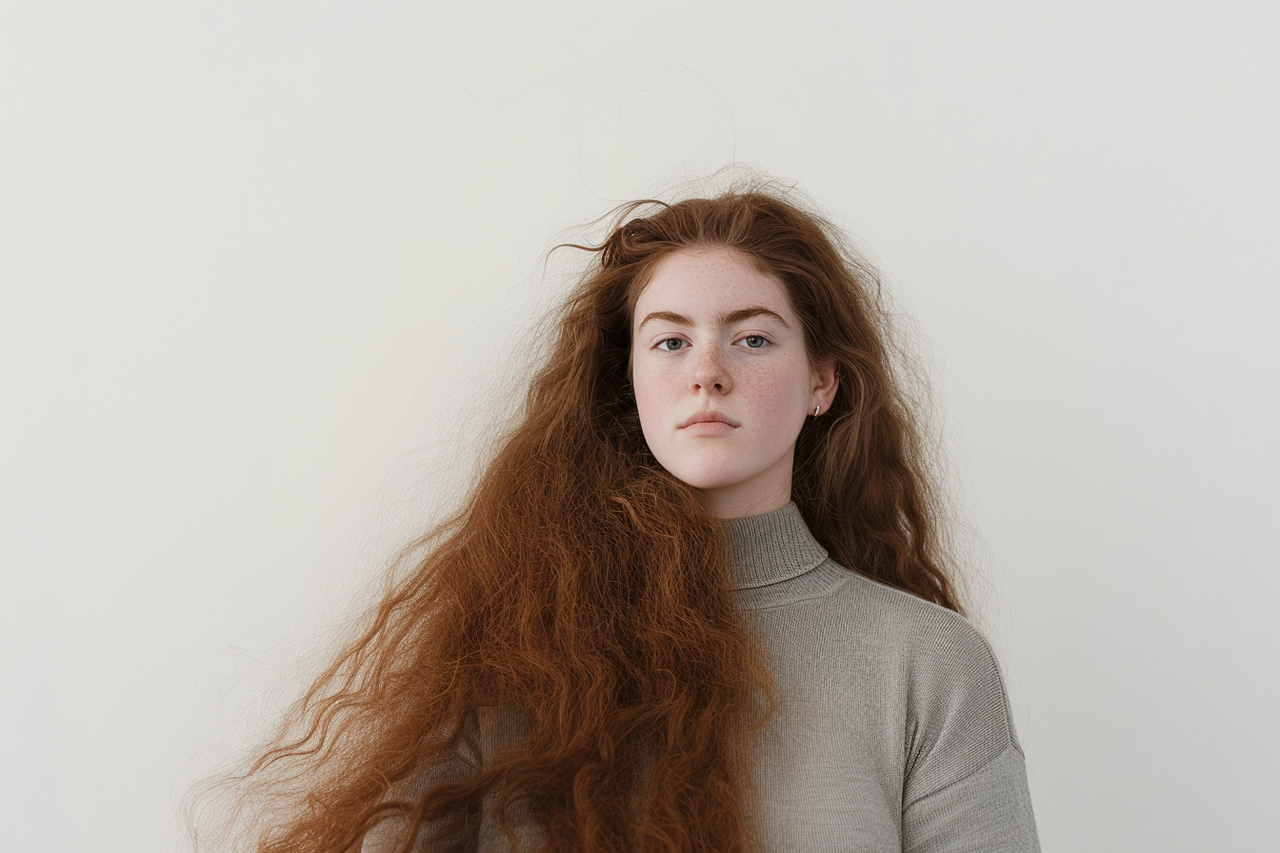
x: 675, y: 344
x: 755, y: 341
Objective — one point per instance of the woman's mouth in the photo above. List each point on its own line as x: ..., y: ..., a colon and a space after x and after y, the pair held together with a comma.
x: 708, y: 423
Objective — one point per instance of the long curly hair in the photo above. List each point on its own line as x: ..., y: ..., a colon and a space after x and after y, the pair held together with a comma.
x: 576, y: 613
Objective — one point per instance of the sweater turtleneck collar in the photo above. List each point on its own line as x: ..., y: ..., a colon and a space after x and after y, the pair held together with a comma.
x: 771, y: 548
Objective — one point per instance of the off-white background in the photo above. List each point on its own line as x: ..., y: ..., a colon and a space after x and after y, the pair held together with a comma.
x: 262, y: 267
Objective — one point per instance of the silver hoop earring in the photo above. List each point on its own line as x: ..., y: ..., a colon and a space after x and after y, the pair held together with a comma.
x: 816, y: 409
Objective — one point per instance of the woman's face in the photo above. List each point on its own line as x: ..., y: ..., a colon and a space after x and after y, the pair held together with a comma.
x: 722, y: 380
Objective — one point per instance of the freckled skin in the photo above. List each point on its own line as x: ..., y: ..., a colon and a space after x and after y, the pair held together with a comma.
x: 688, y: 356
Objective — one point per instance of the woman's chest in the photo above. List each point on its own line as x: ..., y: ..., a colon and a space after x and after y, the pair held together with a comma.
x: 829, y: 762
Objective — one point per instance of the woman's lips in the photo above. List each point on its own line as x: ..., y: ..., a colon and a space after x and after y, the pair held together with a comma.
x: 708, y: 429
x: 708, y: 423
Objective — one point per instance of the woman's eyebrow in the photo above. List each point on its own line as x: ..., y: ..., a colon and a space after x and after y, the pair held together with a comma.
x: 723, y: 320
x: 747, y: 313
x: 669, y: 316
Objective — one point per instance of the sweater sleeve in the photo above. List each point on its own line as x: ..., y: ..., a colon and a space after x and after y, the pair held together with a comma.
x: 388, y: 836
x: 485, y: 732
x: 965, y: 787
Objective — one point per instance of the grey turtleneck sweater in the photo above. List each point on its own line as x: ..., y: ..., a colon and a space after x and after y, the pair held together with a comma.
x: 891, y: 728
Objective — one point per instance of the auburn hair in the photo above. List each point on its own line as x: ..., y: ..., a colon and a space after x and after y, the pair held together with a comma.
x: 580, y: 600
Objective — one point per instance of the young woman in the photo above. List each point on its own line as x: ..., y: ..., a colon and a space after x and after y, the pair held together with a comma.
x: 695, y: 602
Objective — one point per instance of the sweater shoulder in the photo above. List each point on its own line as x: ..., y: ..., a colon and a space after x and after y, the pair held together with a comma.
x: 957, y: 716
x: 843, y: 602
x: 927, y: 631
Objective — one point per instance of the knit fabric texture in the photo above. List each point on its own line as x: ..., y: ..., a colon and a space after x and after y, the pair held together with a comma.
x: 891, y: 727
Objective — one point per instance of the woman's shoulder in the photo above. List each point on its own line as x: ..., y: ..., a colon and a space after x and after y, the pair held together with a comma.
x: 933, y: 658
x: 950, y: 678
x: 928, y: 631
x: 832, y: 604
x: 956, y: 706
x: 950, y: 694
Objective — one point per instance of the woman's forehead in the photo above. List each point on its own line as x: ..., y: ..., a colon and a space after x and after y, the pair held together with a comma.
x: 711, y: 281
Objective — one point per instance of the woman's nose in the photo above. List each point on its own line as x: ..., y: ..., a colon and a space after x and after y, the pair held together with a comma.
x: 710, y: 371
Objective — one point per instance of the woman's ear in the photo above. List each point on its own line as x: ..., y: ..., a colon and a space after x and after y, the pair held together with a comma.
x: 826, y: 379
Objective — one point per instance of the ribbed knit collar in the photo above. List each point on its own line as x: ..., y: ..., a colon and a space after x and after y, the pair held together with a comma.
x: 772, y: 548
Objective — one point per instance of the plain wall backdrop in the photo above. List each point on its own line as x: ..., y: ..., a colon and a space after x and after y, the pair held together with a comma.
x: 265, y: 267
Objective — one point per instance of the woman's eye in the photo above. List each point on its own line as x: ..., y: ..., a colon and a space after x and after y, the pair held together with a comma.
x: 671, y: 344
x: 755, y: 341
